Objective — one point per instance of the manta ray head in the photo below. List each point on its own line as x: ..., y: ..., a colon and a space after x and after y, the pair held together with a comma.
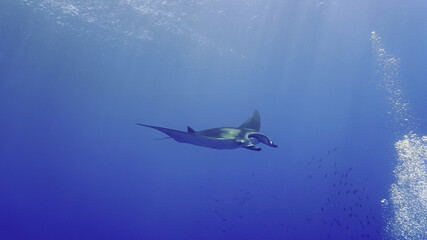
x: 259, y: 137
x: 250, y: 139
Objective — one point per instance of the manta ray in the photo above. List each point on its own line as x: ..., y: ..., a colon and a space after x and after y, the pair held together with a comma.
x: 246, y: 135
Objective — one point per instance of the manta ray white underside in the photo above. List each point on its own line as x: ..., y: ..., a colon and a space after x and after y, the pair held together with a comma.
x: 246, y: 135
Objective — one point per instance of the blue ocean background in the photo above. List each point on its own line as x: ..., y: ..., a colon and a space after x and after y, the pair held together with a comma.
x: 340, y: 86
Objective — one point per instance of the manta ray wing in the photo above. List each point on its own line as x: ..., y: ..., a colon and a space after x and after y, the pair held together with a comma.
x: 253, y: 122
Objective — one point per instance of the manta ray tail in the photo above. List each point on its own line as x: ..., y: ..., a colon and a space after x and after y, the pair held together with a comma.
x: 162, y: 138
x: 175, y: 134
x: 158, y: 128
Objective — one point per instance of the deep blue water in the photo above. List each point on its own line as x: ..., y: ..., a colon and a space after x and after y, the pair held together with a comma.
x: 75, y: 77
